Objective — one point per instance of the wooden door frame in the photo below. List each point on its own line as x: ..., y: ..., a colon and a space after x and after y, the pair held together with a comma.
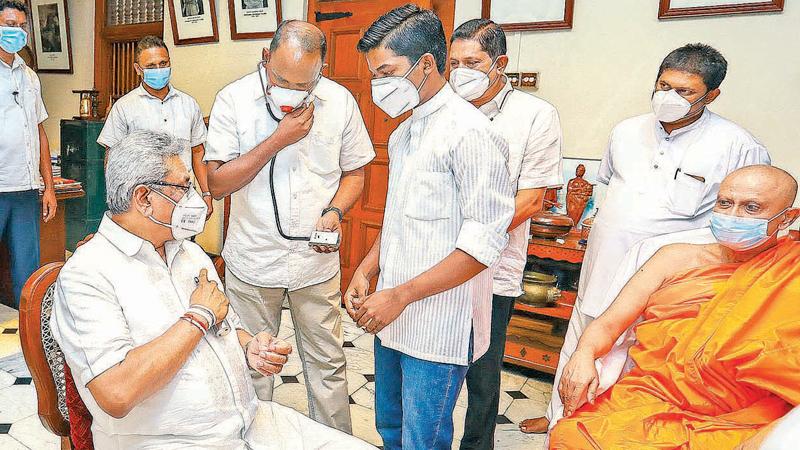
x: 104, y: 36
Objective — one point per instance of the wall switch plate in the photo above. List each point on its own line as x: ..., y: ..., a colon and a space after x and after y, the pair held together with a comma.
x: 513, y: 78
x: 529, y: 80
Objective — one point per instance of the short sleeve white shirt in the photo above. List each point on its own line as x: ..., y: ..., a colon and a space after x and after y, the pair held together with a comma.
x: 306, y: 178
x: 21, y: 112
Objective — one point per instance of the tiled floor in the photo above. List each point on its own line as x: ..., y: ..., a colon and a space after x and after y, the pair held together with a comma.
x: 524, y: 393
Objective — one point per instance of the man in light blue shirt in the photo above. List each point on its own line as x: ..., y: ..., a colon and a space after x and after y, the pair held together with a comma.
x: 24, y: 150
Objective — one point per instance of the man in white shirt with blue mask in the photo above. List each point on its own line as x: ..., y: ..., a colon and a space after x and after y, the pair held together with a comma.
x: 24, y: 150
x: 156, y: 105
x: 533, y: 131
x: 289, y: 146
x: 663, y: 171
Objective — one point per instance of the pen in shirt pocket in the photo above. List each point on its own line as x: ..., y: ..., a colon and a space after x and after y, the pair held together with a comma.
x: 222, y: 328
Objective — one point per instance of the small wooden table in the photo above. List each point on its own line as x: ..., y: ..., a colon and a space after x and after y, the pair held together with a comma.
x: 535, y: 334
x: 52, y: 244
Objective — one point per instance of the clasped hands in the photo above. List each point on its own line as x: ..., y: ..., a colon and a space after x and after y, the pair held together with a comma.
x: 373, y: 312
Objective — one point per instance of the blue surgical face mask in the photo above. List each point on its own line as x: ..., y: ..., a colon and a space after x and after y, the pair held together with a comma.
x: 741, y: 233
x: 157, y: 78
x: 12, y: 39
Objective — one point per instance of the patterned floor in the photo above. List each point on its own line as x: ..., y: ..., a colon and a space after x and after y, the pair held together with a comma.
x: 524, y: 393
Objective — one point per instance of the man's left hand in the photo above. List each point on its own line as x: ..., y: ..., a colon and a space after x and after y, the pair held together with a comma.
x: 210, y: 203
x: 380, y: 309
x: 49, y: 204
x: 267, y: 354
x: 328, y: 222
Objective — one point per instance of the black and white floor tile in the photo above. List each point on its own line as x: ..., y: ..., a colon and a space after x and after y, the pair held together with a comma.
x: 524, y: 393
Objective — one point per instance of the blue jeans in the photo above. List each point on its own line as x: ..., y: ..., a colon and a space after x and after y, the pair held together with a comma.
x: 414, y: 400
x: 19, y: 229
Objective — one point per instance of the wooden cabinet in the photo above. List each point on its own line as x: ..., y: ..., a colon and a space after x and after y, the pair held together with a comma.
x: 535, y: 335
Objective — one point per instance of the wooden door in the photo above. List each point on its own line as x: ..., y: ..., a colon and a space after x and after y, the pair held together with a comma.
x: 344, y: 22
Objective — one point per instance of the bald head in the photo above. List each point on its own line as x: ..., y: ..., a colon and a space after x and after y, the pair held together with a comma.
x: 299, y: 36
x: 763, y: 182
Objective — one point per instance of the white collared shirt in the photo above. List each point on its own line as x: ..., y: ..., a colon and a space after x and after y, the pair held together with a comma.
x: 177, y: 115
x: 449, y: 189
x: 20, y: 116
x: 307, y: 175
x: 532, y: 129
x: 115, y: 294
x: 658, y: 183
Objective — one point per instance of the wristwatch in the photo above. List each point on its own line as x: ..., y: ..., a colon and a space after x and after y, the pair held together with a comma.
x: 206, y: 194
x: 334, y: 209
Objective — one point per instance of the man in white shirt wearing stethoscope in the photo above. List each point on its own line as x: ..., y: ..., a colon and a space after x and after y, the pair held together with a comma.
x: 533, y: 131
x: 290, y: 146
x: 663, y: 170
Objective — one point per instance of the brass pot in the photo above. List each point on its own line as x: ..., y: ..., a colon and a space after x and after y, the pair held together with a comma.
x: 539, y: 289
x: 550, y: 225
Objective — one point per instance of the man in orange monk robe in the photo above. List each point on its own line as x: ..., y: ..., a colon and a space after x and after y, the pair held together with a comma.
x: 718, y: 352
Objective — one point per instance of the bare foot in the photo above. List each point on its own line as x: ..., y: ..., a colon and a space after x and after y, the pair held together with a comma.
x: 536, y: 426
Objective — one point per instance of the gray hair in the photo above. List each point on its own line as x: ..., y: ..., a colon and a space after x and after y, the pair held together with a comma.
x: 139, y: 158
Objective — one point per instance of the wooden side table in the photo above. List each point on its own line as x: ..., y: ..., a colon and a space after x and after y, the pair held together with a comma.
x: 535, y: 334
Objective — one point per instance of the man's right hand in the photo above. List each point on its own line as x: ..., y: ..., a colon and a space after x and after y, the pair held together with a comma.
x: 294, y: 126
x: 579, y: 382
x: 208, y: 294
x: 356, y: 293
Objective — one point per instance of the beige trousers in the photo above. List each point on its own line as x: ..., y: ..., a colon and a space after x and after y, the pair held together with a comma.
x: 318, y: 330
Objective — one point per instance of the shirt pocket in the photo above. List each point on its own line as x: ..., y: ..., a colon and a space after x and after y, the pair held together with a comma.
x: 430, y: 197
x: 322, y: 153
x: 684, y: 195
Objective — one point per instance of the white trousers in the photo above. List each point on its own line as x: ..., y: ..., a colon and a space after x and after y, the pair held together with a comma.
x: 577, y: 324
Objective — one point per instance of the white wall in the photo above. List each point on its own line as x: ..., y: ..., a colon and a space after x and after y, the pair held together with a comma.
x: 57, y: 88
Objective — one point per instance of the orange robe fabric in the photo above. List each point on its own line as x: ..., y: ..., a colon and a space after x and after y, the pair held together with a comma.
x: 715, y: 361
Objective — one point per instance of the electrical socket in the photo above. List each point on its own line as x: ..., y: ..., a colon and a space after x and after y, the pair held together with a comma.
x: 513, y: 78
x: 529, y: 80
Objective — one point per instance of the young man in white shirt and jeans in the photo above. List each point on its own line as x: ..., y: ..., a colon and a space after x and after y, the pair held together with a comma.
x: 312, y: 130
x: 533, y: 132
x: 448, y: 208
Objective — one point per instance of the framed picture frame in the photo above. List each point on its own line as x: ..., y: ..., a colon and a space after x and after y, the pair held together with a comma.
x: 672, y: 9
x: 193, y: 21
x: 51, y: 40
x: 254, y: 19
x: 537, y: 15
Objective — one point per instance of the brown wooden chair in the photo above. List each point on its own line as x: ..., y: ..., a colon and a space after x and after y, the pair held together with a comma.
x: 56, y: 395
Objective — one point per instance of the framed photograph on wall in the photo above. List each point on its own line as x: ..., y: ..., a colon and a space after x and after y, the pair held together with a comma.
x: 529, y: 15
x: 193, y: 21
x: 671, y: 9
x: 51, y: 41
x: 254, y: 19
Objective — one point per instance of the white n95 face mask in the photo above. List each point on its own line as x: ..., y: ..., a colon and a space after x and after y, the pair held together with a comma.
x: 286, y: 100
x: 188, y: 216
x: 669, y: 106
x: 396, y: 95
x: 470, y: 83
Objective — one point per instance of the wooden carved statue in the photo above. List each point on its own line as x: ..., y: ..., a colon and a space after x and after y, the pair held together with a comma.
x: 579, y: 191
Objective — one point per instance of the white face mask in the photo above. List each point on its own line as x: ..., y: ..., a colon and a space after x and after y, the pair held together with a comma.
x: 188, y: 216
x: 669, y: 106
x: 470, y: 83
x: 396, y: 95
x: 282, y: 101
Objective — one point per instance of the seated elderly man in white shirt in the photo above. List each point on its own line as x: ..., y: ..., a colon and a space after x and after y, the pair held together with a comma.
x: 139, y: 315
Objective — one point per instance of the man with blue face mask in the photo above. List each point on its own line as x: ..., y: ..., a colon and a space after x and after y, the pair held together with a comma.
x: 289, y: 146
x: 715, y: 356
x: 663, y: 170
x: 24, y: 150
x: 448, y: 209
x: 156, y: 105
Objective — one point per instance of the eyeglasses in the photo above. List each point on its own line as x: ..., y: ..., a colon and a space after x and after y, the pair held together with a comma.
x: 178, y: 186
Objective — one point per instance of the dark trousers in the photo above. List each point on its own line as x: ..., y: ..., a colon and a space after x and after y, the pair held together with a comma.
x: 19, y: 230
x: 483, y: 381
